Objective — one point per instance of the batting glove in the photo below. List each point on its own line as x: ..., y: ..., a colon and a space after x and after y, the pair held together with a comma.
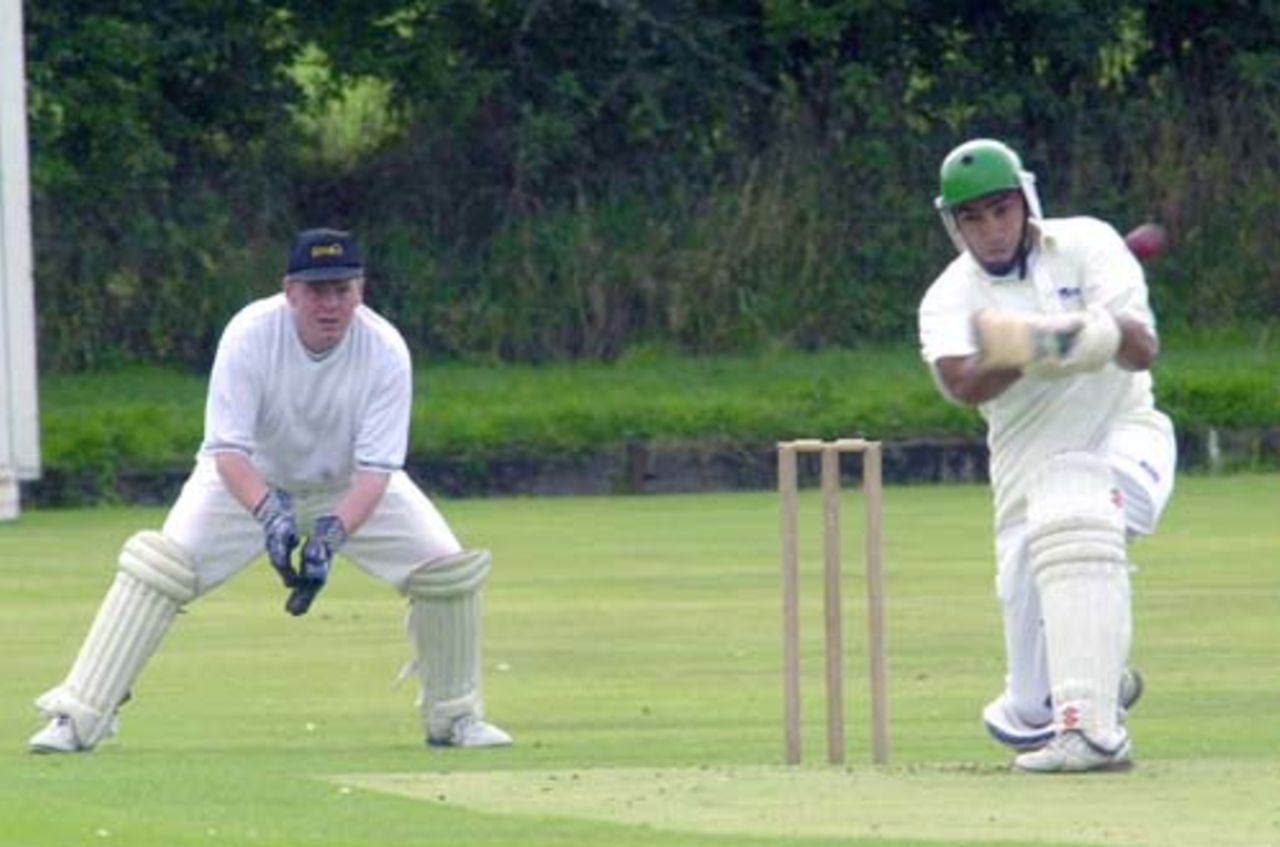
x: 1016, y: 340
x: 275, y: 513
x: 1092, y: 346
x: 327, y: 535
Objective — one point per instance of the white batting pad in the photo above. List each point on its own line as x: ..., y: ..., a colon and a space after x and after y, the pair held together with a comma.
x: 154, y: 581
x: 1075, y: 530
x: 444, y: 628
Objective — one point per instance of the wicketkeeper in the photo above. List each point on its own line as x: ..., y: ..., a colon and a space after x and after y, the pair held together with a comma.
x: 306, y: 430
x: 1044, y: 325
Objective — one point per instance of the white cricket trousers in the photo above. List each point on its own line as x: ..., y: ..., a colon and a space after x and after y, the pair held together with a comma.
x: 222, y: 538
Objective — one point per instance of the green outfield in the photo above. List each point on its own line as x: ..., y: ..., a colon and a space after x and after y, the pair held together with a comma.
x: 633, y: 649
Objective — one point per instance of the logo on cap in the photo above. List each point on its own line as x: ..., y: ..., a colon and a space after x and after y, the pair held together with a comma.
x: 324, y: 254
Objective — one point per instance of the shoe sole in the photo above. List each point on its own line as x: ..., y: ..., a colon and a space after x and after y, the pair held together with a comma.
x: 449, y: 745
x: 1122, y: 760
x: 46, y: 750
x: 1106, y: 767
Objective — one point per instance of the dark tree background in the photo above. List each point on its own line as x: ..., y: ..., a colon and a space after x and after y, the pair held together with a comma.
x: 538, y: 179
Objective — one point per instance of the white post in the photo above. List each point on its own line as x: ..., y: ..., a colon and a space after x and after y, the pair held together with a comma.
x: 19, y: 410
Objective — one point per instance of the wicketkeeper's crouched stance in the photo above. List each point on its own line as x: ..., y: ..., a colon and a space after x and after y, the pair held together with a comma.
x: 1045, y: 326
x: 306, y: 426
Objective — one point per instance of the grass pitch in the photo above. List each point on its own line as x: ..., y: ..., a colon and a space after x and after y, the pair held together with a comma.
x: 633, y: 649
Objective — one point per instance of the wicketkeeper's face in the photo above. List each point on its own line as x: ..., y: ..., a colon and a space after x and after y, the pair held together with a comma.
x: 992, y: 226
x: 322, y: 310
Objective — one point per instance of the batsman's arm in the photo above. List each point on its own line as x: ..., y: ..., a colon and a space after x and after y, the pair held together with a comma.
x: 1139, y: 346
x: 966, y: 381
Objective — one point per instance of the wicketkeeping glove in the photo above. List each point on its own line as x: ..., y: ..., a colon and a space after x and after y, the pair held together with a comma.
x: 275, y: 513
x: 327, y: 535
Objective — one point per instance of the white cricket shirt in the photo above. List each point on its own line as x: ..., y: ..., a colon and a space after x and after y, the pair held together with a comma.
x: 305, y: 421
x: 1076, y: 262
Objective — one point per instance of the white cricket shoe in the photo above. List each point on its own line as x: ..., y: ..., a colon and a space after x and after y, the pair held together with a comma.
x: 471, y: 731
x: 1073, y: 752
x: 1006, y: 726
x: 58, y: 736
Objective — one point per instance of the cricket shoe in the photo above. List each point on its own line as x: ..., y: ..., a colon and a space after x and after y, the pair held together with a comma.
x: 59, y: 736
x: 1004, y: 725
x: 1073, y: 752
x: 1007, y: 727
x: 471, y: 731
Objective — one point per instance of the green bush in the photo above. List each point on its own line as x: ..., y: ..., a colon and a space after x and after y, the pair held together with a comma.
x: 558, y: 181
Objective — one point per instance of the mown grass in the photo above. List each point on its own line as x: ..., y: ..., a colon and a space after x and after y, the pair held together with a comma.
x: 632, y: 638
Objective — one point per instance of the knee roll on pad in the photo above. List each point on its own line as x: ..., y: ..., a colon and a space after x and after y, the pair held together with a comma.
x: 1075, y: 518
x: 159, y: 563
x: 450, y: 576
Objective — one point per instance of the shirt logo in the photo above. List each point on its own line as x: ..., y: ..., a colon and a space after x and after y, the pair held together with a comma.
x: 1070, y: 295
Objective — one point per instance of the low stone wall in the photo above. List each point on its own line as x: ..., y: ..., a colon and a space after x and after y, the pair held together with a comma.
x: 658, y: 467
x: 643, y: 467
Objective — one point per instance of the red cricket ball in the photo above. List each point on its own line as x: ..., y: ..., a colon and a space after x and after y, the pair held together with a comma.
x: 1147, y: 240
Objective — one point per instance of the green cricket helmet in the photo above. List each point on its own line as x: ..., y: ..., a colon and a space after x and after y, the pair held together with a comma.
x: 978, y: 168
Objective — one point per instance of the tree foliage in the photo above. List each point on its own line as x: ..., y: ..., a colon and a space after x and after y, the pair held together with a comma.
x: 552, y: 179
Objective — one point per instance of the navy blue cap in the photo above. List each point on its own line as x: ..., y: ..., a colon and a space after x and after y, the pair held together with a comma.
x: 324, y: 254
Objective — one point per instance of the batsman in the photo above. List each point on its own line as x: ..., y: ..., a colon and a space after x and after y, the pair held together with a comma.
x: 305, y: 435
x: 1044, y: 325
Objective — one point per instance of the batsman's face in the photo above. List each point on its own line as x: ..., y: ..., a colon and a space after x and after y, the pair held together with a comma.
x: 322, y: 311
x: 992, y: 227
